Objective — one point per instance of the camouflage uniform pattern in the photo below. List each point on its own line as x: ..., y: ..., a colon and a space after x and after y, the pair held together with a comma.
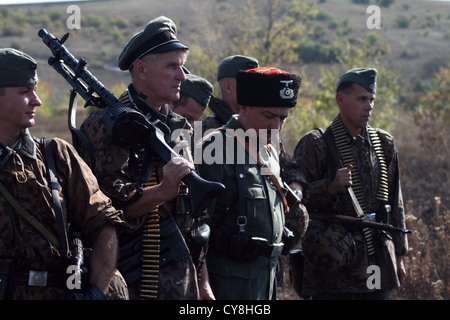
x: 117, y: 172
x: 25, y: 175
x: 312, y: 156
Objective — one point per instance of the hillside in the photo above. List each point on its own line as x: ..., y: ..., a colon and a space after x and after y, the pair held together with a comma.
x: 415, y: 49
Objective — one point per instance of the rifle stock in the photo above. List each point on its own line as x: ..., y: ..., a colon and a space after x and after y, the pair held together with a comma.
x: 363, y: 223
x: 125, y: 125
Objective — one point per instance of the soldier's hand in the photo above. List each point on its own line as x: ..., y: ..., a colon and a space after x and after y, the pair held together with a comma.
x: 342, y: 180
x: 172, y: 173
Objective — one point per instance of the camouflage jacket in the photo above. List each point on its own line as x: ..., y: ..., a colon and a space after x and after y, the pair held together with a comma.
x: 26, y: 177
x: 312, y: 155
x: 118, y: 169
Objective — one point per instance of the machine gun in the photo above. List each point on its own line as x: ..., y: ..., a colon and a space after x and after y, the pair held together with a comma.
x: 125, y: 125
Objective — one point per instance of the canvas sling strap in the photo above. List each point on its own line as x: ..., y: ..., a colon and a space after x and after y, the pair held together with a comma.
x: 60, y: 221
x: 253, y: 152
x: 32, y: 220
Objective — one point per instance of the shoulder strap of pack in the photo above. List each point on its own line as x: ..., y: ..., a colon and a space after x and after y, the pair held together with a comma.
x: 32, y: 220
x: 60, y: 221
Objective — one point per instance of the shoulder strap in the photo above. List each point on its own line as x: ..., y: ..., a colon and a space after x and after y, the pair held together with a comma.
x: 61, y: 223
x: 78, y: 137
x: 251, y: 150
x: 35, y: 223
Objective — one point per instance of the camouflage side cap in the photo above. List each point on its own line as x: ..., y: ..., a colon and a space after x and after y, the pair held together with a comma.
x: 230, y: 66
x: 159, y: 35
x: 197, y: 88
x: 365, y: 77
x: 267, y: 87
x: 17, y: 69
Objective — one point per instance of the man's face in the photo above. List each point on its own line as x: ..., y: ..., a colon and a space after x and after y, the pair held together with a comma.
x: 18, y: 108
x: 268, y: 118
x: 356, y: 106
x: 163, y: 76
x: 192, y: 110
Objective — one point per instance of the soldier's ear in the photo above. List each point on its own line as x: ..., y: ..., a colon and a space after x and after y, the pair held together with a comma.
x: 229, y: 86
x: 339, y: 98
x: 139, y: 69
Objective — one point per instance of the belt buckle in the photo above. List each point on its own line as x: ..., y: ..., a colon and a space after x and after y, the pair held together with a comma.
x: 37, y: 278
x: 277, y: 248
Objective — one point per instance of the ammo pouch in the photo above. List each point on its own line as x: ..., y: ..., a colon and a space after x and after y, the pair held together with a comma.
x: 240, y: 247
x: 6, y: 275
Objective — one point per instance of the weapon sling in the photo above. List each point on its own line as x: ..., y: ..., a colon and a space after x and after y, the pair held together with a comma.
x: 35, y: 223
x: 251, y: 149
x: 60, y: 222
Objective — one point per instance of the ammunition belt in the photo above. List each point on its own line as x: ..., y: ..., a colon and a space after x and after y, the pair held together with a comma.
x: 150, y: 257
x: 348, y: 158
x: 150, y: 252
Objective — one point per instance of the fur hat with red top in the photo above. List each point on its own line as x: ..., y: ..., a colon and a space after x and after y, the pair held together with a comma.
x: 267, y: 87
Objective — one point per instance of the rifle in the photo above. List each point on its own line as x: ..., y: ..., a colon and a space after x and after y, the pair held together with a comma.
x: 361, y: 222
x: 124, y: 124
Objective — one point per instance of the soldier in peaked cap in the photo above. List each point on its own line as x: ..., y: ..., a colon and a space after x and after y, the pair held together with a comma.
x: 195, y: 94
x: 158, y: 36
x: 247, y: 219
x: 32, y: 261
x: 153, y: 255
x: 365, y: 158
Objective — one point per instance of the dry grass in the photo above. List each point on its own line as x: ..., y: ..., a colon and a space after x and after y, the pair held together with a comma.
x: 428, y: 260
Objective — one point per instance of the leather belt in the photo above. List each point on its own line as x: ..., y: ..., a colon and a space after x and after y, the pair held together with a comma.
x: 236, y: 244
x: 273, y: 250
x: 39, y: 278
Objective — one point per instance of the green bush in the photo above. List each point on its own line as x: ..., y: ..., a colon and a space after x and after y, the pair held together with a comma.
x: 403, y: 22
